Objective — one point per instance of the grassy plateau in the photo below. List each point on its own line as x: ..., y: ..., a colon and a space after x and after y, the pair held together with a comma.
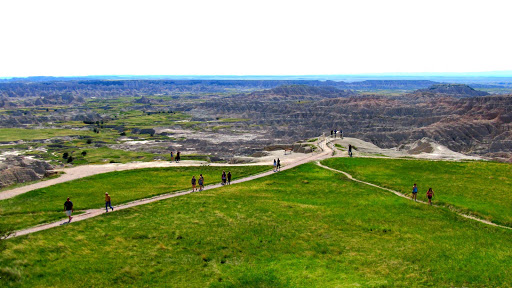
x: 479, y: 188
x: 46, y: 204
x: 304, y: 227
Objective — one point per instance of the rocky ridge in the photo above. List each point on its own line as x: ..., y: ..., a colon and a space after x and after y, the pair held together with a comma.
x: 20, y: 169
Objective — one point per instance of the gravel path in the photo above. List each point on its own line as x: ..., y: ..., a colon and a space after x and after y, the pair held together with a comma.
x: 323, y: 154
x: 81, y: 171
x: 89, y: 170
x: 408, y: 198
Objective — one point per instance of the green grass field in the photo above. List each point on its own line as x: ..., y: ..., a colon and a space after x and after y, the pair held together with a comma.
x: 479, y: 188
x: 15, y: 134
x: 107, y: 155
x: 305, y: 227
x: 46, y: 204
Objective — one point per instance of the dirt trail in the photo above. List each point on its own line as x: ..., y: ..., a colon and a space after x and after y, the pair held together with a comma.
x: 408, y: 198
x: 90, y: 170
x: 325, y: 153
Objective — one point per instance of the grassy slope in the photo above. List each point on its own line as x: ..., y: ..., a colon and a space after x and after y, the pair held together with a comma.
x: 15, y: 134
x: 307, y: 227
x: 482, y: 188
x: 106, y: 154
x: 46, y: 204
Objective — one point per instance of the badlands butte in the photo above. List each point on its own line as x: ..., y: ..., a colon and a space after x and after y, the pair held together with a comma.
x: 52, y: 123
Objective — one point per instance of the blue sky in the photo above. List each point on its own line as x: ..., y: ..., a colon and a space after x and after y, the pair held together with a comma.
x: 72, y: 38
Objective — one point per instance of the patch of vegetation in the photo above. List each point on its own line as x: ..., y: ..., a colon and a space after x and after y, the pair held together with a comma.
x: 16, y: 134
x: 46, y: 204
x: 277, y: 231
x: 312, y: 140
x: 148, y: 120
x: 479, y: 188
x: 232, y: 120
x: 220, y: 127
x: 340, y: 147
x: 105, y: 155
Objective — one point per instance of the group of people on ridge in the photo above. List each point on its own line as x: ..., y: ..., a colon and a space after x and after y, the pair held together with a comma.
x: 334, y: 132
x: 430, y: 194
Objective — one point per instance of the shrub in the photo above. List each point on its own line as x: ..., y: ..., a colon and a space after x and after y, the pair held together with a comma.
x: 84, y: 153
x: 89, y: 141
x: 65, y: 155
x: 70, y: 159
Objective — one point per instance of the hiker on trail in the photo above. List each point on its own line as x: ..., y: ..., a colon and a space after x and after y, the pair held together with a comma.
x: 172, y: 156
x: 414, y: 192
x: 430, y: 194
x: 275, y: 165
x: 223, y: 177
x: 341, y: 134
x: 335, y: 131
x: 178, y: 157
x: 107, y: 202
x: 201, y: 182
x: 331, y: 132
x: 278, y: 167
x: 193, y: 183
x: 350, y: 150
x: 229, y: 178
x: 68, y: 206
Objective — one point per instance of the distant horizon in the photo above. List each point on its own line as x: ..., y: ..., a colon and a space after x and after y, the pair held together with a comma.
x: 487, y: 74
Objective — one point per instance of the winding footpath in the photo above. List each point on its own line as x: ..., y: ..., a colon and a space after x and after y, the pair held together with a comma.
x: 325, y: 153
x: 323, y: 145
x: 408, y: 198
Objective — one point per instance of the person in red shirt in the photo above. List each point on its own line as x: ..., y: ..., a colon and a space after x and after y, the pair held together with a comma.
x: 430, y: 195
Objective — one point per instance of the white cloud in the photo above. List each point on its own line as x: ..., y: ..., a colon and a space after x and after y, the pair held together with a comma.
x: 252, y: 37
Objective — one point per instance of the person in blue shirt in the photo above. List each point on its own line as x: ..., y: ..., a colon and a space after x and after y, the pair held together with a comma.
x: 414, y: 192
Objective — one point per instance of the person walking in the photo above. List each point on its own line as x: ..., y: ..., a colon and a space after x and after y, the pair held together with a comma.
x: 341, y: 134
x: 178, y: 156
x: 108, y: 202
x: 68, y: 206
x: 430, y: 195
x: 331, y: 132
x: 201, y: 182
x: 350, y: 150
x: 414, y: 192
x: 229, y: 178
x: 275, y: 165
x: 278, y: 167
x: 223, y: 177
x: 193, y: 181
x: 335, y: 131
x: 172, y: 156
